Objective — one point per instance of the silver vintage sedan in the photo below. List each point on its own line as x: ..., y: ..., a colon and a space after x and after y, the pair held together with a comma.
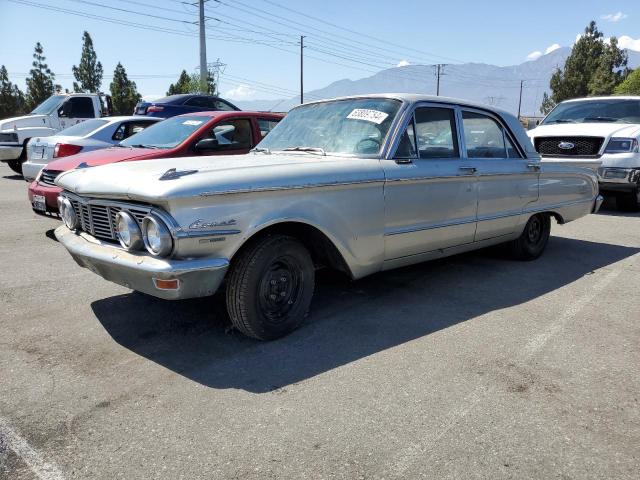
x: 359, y: 184
x: 89, y: 135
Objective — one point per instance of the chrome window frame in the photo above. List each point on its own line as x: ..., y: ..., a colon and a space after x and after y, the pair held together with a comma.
x: 506, y: 133
x: 409, y: 116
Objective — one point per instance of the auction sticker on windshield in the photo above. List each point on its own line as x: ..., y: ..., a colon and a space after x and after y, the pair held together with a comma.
x: 193, y: 123
x: 368, y: 115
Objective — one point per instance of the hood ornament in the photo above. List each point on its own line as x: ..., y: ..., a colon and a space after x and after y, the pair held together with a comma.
x: 173, y: 174
x: 83, y: 165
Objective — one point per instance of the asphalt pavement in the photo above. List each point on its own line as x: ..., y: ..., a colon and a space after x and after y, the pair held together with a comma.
x: 475, y: 366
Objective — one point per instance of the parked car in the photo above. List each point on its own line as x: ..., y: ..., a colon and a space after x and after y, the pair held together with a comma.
x: 346, y: 183
x: 601, y: 133
x: 180, y: 104
x: 83, y: 137
x: 53, y: 115
x: 202, y: 133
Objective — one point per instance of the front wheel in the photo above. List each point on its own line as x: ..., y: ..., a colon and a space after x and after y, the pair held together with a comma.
x: 270, y: 287
x: 534, y: 238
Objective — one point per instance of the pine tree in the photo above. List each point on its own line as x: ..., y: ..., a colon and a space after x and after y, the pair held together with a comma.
x: 40, y: 84
x: 12, y: 101
x: 593, y: 68
x: 89, y: 72
x: 183, y: 85
x: 124, y: 93
x: 631, y: 85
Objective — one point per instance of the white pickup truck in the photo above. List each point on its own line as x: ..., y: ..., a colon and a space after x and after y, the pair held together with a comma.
x: 600, y: 133
x: 54, y: 114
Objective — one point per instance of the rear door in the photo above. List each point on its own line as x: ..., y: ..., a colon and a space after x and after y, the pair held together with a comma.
x: 507, y: 181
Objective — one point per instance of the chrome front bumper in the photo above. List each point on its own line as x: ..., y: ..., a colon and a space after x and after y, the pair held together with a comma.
x: 615, y: 179
x: 10, y: 152
x: 199, y: 277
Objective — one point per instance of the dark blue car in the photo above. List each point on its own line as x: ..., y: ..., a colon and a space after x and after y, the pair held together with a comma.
x: 178, y: 104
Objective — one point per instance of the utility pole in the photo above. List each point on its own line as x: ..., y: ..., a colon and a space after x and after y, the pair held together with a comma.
x: 520, y: 101
x: 439, y: 73
x: 301, y: 69
x: 203, y: 51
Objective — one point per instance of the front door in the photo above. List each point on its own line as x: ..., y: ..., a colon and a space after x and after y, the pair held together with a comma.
x: 234, y: 137
x: 507, y: 181
x: 430, y: 191
x: 75, y: 110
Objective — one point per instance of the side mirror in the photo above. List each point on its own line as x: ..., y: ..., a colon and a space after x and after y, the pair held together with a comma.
x: 206, y: 144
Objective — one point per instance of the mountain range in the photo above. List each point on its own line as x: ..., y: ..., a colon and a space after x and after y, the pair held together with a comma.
x: 480, y: 82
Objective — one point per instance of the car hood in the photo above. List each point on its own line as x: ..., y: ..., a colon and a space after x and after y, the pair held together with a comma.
x: 10, y: 124
x: 600, y: 129
x: 103, y: 156
x: 215, y: 175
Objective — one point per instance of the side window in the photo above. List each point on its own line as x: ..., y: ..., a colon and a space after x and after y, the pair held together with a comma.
x: 233, y: 134
x: 119, y: 134
x: 202, y: 102
x: 407, y: 145
x: 512, y: 152
x: 81, y: 107
x: 266, y: 126
x: 436, y: 133
x: 224, y: 106
x: 483, y: 136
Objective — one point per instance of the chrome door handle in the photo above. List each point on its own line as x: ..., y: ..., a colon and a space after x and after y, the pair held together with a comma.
x: 470, y: 170
x: 534, y: 166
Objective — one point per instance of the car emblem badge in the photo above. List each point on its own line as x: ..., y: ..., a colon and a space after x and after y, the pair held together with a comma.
x: 566, y: 145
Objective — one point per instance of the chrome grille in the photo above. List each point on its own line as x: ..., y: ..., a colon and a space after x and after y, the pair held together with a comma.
x: 98, y: 217
x: 582, y: 146
x: 48, y: 176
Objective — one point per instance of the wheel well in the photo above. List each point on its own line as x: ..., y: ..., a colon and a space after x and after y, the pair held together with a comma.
x: 322, y: 250
x: 557, y: 216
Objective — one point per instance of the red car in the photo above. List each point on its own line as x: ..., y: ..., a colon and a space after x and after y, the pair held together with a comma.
x: 201, y: 133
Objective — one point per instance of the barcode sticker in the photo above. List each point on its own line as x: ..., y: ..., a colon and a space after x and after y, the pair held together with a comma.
x: 368, y: 115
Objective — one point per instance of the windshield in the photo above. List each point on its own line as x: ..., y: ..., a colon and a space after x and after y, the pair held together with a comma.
x: 49, y: 105
x: 83, y: 129
x: 353, y: 126
x: 592, y: 111
x: 167, y: 133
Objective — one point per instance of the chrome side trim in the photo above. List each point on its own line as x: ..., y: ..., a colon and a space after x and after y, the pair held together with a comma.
x: 401, y: 231
x: 290, y: 187
x: 209, y: 233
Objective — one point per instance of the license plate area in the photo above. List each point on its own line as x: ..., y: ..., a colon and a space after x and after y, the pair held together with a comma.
x: 39, y: 203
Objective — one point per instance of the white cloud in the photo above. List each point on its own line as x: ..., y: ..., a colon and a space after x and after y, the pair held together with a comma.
x: 551, y: 48
x: 241, y: 92
x: 534, y: 55
x: 625, y: 41
x: 403, y: 63
x: 614, y: 17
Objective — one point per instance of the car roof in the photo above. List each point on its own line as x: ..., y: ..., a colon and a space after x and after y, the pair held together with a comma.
x: 230, y: 113
x: 182, y: 97
x: 610, y: 97
x: 122, y: 118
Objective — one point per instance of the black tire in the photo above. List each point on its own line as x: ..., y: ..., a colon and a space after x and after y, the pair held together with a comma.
x: 16, y: 165
x: 627, y: 202
x: 270, y: 286
x: 534, y: 238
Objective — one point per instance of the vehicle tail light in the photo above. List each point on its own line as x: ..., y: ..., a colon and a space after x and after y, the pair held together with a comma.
x: 154, y: 108
x: 65, y: 149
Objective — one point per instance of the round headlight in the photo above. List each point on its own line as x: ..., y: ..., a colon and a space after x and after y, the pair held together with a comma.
x: 128, y: 231
x: 157, y: 237
x: 68, y: 213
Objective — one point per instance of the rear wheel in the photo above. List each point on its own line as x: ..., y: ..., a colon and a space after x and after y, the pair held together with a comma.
x: 270, y: 287
x: 534, y: 238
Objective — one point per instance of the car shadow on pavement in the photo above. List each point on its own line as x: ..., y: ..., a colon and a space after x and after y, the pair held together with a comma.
x: 348, y: 321
x: 14, y: 177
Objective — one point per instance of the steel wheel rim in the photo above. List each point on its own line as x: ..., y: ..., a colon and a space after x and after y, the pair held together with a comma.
x: 280, y: 289
x: 534, y: 231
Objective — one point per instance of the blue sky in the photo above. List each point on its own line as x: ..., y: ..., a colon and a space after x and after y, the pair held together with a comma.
x: 257, y: 38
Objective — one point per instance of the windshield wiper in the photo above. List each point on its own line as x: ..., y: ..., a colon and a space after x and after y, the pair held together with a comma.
x: 144, y: 146
x: 600, y: 119
x: 306, y: 149
x: 560, y: 120
x: 261, y: 150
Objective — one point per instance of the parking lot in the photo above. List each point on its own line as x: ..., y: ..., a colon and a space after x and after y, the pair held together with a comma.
x: 470, y: 367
